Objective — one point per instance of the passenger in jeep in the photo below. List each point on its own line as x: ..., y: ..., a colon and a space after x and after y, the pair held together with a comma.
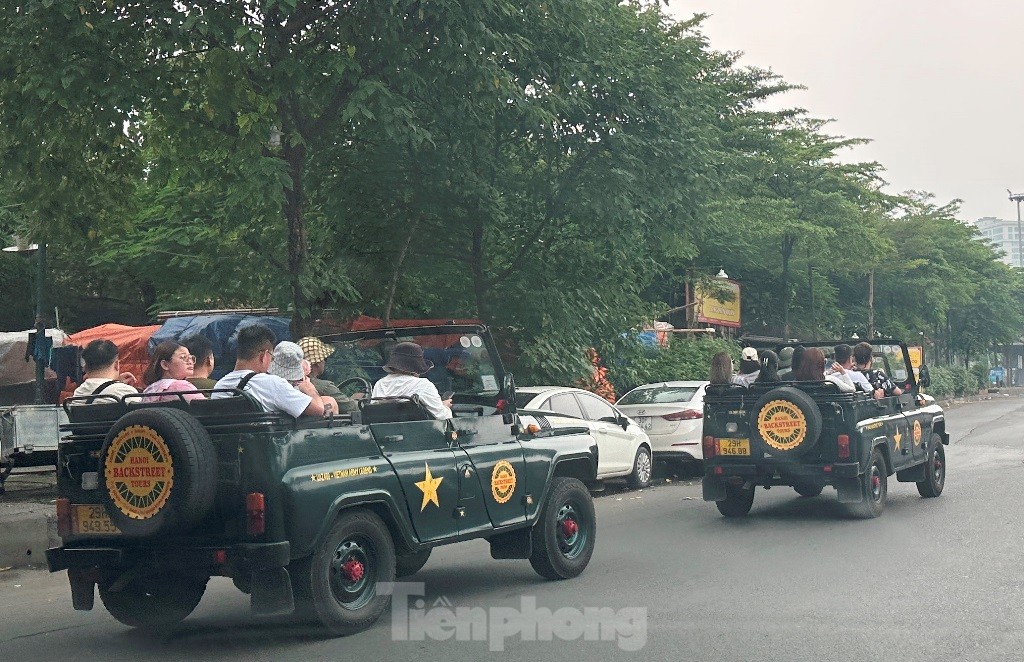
x: 812, y: 369
x: 843, y: 355
x: 255, y: 349
x: 404, y: 366
x: 879, y: 381
x: 103, y: 374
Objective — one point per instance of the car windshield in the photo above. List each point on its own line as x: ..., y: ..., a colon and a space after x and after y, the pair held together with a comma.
x: 652, y: 395
x: 890, y: 359
x: 461, y: 362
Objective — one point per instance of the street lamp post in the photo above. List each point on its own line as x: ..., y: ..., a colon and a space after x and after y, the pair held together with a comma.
x: 40, y: 322
x: 1017, y: 197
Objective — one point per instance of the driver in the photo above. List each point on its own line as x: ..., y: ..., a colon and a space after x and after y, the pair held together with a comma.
x: 316, y: 351
x: 404, y: 366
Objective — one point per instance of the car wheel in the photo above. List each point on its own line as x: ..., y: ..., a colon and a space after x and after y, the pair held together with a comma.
x: 640, y: 477
x: 565, y: 532
x: 151, y: 601
x: 737, y: 501
x: 808, y: 490
x: 338, y: 583
x: 873, y: 487
x: 935, y: 469
x: 410, y: 564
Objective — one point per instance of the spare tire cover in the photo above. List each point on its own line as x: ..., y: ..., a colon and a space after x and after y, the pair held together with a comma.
x: 785, y: 422
x: 159, y: 471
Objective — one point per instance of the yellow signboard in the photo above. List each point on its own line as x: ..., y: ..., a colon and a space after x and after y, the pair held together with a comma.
x: 714, y: 311
x: 916, y: 356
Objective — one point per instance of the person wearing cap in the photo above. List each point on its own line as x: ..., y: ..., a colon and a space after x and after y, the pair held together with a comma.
x: 287, y: 362
x: 750, y: 367
x: 316, y: 351
x: 256, y: 345
x: 404, y: 366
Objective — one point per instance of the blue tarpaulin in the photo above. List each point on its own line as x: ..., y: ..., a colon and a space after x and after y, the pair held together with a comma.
x: 221, y: 331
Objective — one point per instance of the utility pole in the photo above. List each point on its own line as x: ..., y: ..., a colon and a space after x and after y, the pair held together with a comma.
x: 1017, y: 197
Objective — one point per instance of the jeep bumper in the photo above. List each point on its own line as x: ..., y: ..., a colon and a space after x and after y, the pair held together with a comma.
x: 717, y: 476
x: 243, y: 556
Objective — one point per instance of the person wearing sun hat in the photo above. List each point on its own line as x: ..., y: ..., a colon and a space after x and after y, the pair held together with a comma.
x: 404, y: 366
x: 317, y: 352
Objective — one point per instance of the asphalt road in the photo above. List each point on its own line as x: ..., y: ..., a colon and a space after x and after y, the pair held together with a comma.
x: 932, y: 579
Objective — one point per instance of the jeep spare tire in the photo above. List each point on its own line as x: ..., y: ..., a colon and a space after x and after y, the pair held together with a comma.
x: 785, y: 422
x: 158, y: 470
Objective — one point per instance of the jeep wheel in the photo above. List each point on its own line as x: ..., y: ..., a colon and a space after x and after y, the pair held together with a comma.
x: 935, y: 469
x: 808, y: 490
x: 152, y: 602
x: 158, y: 471
x: 873, y: 488
x: 338, y: 583
x: 641, y: 474
x: 410, y: 564
x: 565, y: 531
x: 737, y: 501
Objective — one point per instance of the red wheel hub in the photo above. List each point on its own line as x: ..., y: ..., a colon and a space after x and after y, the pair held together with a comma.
x: 570, y: 528
x: 352, y: 570
x: 875, y: 482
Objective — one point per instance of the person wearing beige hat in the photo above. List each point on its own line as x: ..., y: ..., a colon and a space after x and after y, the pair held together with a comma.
x: 750, y: 367
x: 316, y: 351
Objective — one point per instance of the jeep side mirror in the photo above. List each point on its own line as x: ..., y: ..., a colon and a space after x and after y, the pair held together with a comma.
x: 924, y: 379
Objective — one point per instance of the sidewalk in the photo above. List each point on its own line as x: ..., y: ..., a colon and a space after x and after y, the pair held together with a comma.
x: 28, y: 518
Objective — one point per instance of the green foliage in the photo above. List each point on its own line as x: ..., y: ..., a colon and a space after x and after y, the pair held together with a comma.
x: 953, y: 381
x: 682, y: 360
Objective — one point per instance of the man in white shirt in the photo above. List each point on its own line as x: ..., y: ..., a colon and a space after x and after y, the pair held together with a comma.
x: 404, y: 367
x: 844, y: 357
x: 255, y: 350
x: 103, y: 376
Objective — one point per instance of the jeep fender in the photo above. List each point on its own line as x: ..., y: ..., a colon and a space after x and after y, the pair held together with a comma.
x: 381, y: 503
x: 580, y: 465
x: 939, y: 428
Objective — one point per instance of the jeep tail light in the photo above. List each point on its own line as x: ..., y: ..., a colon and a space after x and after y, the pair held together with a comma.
x: 709, y: 447
x: 255, y: 514
x: 684, y: 415
x: 63, y: 517
x: 844, y: 446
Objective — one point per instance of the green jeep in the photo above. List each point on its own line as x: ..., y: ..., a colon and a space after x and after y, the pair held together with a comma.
x: 808, y: 435
x: 315, y: 514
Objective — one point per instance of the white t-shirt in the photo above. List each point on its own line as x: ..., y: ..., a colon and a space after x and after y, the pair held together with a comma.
x: 272, y: 392
x: 391, y: 386
x: 860, y: 382
x: 117, y: 389
x: 747, y: 379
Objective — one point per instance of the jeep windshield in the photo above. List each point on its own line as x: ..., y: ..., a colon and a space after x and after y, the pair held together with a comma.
x: 461, y: 357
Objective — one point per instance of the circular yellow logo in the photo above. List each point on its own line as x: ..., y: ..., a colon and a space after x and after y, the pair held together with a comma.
x: 503, y: 481
x: 782, y: 425
x: 138, y: 471
x: 917, y: 432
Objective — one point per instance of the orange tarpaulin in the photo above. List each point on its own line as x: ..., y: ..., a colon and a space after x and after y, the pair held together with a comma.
x: 130, y: 340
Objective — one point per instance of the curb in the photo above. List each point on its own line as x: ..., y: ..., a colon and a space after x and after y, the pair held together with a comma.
x: 28, y: 530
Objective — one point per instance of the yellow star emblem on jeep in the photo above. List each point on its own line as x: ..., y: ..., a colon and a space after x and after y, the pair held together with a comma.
x: 429, y: 486
x: 897, y: 438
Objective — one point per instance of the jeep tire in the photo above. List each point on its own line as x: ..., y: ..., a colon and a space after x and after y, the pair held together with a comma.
x: 808, y: 490
x: 151, y: 601
x: 190, y: 488
x: 339, y: 583
x: 565, y: 531
x: 873, y: 487
x: 798, y: 400
x: 737, y: 502
x: 934, y: 469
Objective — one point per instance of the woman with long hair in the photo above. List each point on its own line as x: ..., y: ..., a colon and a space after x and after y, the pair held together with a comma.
x: 169, y: 366
x: 812, y: 369
x: 721, y: 368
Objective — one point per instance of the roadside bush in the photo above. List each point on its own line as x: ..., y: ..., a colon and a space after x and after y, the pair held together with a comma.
x: 684, y: 359
x: 953, y: 381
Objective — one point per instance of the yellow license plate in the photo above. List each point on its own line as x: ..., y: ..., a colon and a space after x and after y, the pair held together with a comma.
x: 92, y: 521
x: 734, y: 447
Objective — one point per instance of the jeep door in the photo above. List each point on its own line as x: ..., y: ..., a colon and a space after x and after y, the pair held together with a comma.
x: 492, y: 473
x: 424, y: 460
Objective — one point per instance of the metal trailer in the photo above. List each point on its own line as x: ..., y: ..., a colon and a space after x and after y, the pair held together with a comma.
x: 29, y: 435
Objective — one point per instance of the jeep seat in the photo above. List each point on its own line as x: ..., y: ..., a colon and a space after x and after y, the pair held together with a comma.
x: 393, y: 411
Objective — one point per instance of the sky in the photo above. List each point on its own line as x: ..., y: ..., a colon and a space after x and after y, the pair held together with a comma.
x: 936, y: 85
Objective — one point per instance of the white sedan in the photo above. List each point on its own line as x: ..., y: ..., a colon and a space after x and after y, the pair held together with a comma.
x: 623, y: 449
x: 672, y: 415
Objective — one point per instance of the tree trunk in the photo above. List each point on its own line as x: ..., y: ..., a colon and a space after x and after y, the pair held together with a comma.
x: 871, y: 304
x: 788, y: 241
x: 477, y: 268
x: 810, y: 286
x: 397, y: 271
x: 298, y: 241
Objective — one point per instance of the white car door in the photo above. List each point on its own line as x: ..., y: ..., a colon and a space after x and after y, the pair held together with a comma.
x: 617, y: 444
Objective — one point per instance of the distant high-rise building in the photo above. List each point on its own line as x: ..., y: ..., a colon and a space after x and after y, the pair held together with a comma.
x: 1003, y: 235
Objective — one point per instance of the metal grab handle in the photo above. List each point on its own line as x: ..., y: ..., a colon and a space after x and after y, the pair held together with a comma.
x: 393, y: 438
